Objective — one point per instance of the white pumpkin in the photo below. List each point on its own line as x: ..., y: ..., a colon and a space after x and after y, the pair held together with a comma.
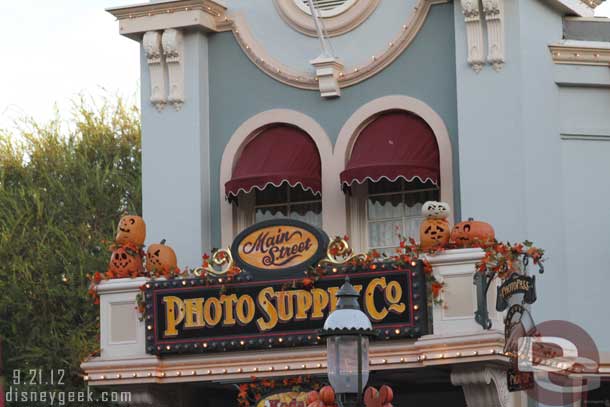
x: 435, y: 210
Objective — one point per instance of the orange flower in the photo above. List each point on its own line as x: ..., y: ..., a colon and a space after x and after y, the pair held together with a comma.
x: 97, y: 277
x: 436, y: 289
x: 307, y: 282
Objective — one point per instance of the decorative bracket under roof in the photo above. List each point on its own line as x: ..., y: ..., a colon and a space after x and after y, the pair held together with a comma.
x: 493, y: 11
x: 160, y: 27
x: 494, y: 15
x: 474, y: 33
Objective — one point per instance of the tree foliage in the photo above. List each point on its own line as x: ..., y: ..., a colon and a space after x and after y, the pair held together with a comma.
x: 62, y: 190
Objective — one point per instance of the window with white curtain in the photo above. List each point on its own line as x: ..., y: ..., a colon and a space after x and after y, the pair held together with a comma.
x: 284, y: 202
x: 287, y: 202
x: 383, y: 211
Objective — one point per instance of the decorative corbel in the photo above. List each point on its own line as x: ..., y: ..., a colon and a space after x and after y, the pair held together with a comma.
x: 474, y: 34
x: 483, y: 386
x: 328, y: 70
x: 173, y: 49
x: 151, y: 43
x: 494, y: 15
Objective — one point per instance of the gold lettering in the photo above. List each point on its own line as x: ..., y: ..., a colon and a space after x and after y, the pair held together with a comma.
x: 320, y: 302
x: 245, y: 316
x: 393, y: 295
x: 194, y: 313
x: 228, y: 301
x: 369, y: 299
x: 285, y: 305
x: 212, y: 312
x: 266, y: 306
x: 304, y: 302
x: 174, y: 314
x: 332, y: 293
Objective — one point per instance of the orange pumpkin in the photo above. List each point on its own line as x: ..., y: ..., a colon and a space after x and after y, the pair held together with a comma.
x: 125, y: 263
x: 434, y: 233
x: 161, y: 258
x: 386, y: 394
x: 312, y: 396
x: 131, y: 229
x: 327, y: 395
x: 472, y: 233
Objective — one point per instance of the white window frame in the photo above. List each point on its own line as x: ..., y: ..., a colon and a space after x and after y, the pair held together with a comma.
x: 359, y: 218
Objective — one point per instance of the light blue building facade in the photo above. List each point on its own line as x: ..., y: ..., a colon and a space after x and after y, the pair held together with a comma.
x: 516, y: 93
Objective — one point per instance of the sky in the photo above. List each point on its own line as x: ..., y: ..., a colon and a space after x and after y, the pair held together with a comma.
x: 52, y: 51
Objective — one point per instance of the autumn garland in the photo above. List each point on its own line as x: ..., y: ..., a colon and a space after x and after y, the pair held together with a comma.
x: 251, y: 393
x: 501, y: 260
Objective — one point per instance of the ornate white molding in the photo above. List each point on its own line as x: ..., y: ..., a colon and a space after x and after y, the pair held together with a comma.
x: 581, y: 53
x: 207, y: 15
x: 335, y: 25
x: 494, y: 15
x: 352, y: 76
x: 173, y: 49
x: 151, y: 43
x: 327, y: 73
x: 483, y: 386
x: 474, y: 34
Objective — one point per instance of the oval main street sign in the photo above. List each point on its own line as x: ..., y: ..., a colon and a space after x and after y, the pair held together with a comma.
x: 279, y: 248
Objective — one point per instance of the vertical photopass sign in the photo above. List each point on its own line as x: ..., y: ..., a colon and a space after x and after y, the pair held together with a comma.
x: 515, y: 293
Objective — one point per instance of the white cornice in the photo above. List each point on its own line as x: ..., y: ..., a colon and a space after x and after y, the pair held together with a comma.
x: 236, y: 366
x: 582, y: 8
x: 206, y: 15
x: 581, y: 52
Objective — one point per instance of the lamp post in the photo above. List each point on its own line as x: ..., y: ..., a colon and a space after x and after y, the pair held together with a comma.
x: 347, y: 331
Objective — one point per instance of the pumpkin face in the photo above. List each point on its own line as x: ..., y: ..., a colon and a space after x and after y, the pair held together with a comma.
x: 472, y: 232
x: 161, y: 258
x: 435, y: 210
x: 124, y: 263
x: 131, y: 229
x: 434, y: 233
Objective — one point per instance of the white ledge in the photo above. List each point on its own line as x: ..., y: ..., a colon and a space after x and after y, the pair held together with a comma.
x: 456, y: 256
x: 120, y: 285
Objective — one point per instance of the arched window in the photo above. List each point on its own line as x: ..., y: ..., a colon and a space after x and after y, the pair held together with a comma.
x: 277, y: 175
x: 393, y: 168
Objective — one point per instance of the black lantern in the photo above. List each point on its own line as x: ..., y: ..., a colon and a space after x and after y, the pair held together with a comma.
x: 347, y: 331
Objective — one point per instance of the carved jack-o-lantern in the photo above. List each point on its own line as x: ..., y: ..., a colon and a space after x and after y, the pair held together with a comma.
x: 471, y: 233
x: 125, y: 263
x: 131, y: 229
x: 161, y: 258
x: 435, y: 210
x: 434, y: 233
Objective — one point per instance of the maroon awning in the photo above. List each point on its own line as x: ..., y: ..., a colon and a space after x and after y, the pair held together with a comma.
x: 394, y: 145
x: 279, y: 155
